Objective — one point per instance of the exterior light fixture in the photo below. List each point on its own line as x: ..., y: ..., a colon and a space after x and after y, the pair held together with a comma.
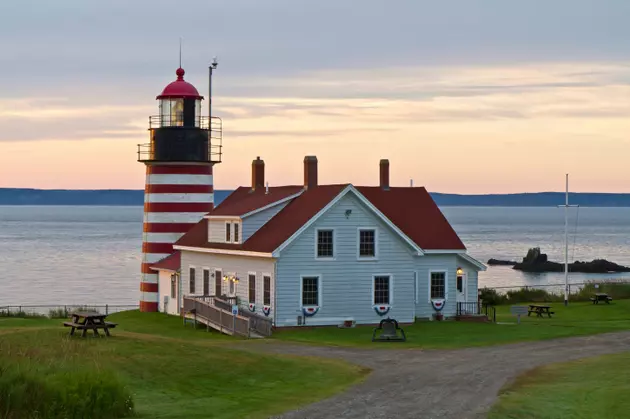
x: 348, y: 212
x: 460, y: 271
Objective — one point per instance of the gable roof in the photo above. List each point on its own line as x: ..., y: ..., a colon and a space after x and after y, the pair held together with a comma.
x: 170, y: 263
x: 411, y: 210
x: 243, y: 200
x: 414, y: 212
x: 277, y: 230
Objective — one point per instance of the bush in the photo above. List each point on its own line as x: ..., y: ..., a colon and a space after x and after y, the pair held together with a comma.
x: 532, y: 295
x: 32, y: 390
x: 491, y: 296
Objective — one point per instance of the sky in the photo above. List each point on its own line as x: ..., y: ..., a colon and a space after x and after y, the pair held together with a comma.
x: 466, y: 96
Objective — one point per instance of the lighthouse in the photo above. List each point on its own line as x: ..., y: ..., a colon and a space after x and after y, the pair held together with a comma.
x: 183, y: 147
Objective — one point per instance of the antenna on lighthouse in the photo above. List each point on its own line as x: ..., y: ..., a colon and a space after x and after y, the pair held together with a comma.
x: 180, y: 52
x: 213, y: 66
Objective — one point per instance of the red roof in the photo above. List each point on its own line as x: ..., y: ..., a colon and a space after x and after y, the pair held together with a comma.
x: 244, y: 200
x: 180, y: 88
x: 412, y: 210
x: 169, y: 263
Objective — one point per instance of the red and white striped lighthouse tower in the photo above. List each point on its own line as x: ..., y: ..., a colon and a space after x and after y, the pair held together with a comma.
x: 183, y: 148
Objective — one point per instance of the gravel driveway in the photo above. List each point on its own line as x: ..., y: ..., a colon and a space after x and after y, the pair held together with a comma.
x: 414, y: 383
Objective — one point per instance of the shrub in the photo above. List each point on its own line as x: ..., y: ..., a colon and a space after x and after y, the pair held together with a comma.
x: 491, y: 296
x: 33, y: 390
x: 532, y: 295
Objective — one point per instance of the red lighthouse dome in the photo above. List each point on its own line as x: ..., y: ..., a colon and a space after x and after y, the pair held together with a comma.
x: 180, y: 88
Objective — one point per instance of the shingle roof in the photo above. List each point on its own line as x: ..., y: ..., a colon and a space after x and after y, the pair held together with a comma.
x: 412, y: 210
x: 244, y: 200
x: 169, y: 263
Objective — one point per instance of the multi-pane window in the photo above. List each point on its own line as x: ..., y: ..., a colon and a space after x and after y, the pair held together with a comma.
x: 266, y: 290
x: 438, y: 284
x: 228, y: 232
x: 381, y: 290
x: 325, y: 243
x: 173, y: 285
x: 236, y: 232
x: 252, y: 288
x: 367, y: 243
x: 206, y: 282
x: 192, y: 281
x: 217, y: 283
x: 310, y: 291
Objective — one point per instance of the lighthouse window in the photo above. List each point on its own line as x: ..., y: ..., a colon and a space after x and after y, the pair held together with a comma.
x: 177, y: 112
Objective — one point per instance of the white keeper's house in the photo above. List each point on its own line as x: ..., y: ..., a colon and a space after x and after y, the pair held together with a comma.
x: 323, y: 254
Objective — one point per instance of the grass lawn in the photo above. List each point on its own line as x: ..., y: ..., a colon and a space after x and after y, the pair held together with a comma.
x: 592, y: 388
x: 177, y: 372
x: 574, y: 320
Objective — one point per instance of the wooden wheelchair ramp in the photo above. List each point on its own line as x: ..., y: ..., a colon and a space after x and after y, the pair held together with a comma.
x: 211, y: 312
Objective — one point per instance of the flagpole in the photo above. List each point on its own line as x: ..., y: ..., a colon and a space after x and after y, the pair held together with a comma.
x: 566, y: 243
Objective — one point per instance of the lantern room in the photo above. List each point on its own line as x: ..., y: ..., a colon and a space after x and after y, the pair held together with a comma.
x: 180, y: 103
x: 180, y: 133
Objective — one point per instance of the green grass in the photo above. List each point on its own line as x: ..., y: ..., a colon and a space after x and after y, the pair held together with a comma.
x: 592, y: 388
x: 575, y: 320
x: 176, y: 372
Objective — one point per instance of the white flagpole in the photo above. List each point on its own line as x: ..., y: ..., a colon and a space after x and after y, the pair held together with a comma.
x: 566, y: 243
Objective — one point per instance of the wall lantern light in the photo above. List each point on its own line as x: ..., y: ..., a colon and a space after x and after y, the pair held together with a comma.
x: 348, y: 212
x: 460, y: 271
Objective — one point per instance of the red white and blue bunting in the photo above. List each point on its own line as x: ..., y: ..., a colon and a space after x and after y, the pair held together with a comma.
x: 252, y: 307
x: 381, y: 310
x: 266, y: 310
x: 438, y: 303
x: 310, y: 311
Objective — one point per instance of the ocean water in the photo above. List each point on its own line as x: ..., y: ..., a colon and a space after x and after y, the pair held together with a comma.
x: 91, y: 255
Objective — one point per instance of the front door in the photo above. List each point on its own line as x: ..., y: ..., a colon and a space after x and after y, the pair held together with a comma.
x: 461, y: 288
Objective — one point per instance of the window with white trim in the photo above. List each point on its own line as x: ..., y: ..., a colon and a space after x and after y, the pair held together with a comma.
x: 252, y: 288
x: 325, y: 244
x: 367, y: 243
x: 310, y: 291
x: 382, y: 285
x: 438, y: 285
x: 192, y: 281
x: 228, y: 232
x: 218, y: 277
x: 173, y: 285
x: 236, y: 232
x: 267, y: 290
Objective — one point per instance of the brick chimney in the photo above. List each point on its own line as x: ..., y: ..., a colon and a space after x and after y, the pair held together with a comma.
x: 258, y: 174
x: 310, y: 172
x: 384, y: 174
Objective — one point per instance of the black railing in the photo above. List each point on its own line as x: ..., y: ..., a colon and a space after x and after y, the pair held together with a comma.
x: 62, y: 310
x: 167, y: 121
x: 467, y: 307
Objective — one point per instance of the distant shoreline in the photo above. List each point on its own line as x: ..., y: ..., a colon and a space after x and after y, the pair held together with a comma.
x: 130, y: 197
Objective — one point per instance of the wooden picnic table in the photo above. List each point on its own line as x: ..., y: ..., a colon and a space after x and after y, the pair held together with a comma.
x: 539, y: 310
x: 601, y: 296
x: 89, y: 320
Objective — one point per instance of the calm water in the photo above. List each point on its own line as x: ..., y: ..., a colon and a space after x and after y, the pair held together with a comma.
x: 91, y: 255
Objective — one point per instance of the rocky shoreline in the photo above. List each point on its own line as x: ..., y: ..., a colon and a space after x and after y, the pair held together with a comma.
x: 535, y: 261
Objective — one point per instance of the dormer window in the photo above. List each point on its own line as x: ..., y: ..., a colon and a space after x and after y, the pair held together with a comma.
x: 236, y: 232
x: 232, y: 232
x: 228, y: 232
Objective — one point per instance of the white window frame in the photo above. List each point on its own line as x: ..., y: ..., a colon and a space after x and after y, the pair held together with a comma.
x: 232, y: 290
x: 334, y: 234
x: 266, y: 274
x: 416, y: 282
x: 236, y: 226
x: 375, y: 257
x: 203, y: 269
x: 319, y: 290
x: 391, y: 290
x: 220, y: 279
x: 445, y: 272
x: 255, y: 288
x: 196, y: 270
x: 228, y: 228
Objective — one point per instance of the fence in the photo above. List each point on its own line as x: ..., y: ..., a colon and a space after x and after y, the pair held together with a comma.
x: 61, y: 311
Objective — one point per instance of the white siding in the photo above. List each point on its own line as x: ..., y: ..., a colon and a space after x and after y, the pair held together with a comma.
x: 216, y: 230
x: 346, y: 283
x: 164, y: 278
x: 254, y: 222
x: 241, y: 266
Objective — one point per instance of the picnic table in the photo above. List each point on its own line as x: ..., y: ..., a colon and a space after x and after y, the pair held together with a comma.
x: 88, y: 320
x: 601, y: 297
x: 539, y: 310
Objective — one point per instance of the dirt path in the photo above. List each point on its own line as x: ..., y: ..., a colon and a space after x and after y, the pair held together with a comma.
x: 440, y: 383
